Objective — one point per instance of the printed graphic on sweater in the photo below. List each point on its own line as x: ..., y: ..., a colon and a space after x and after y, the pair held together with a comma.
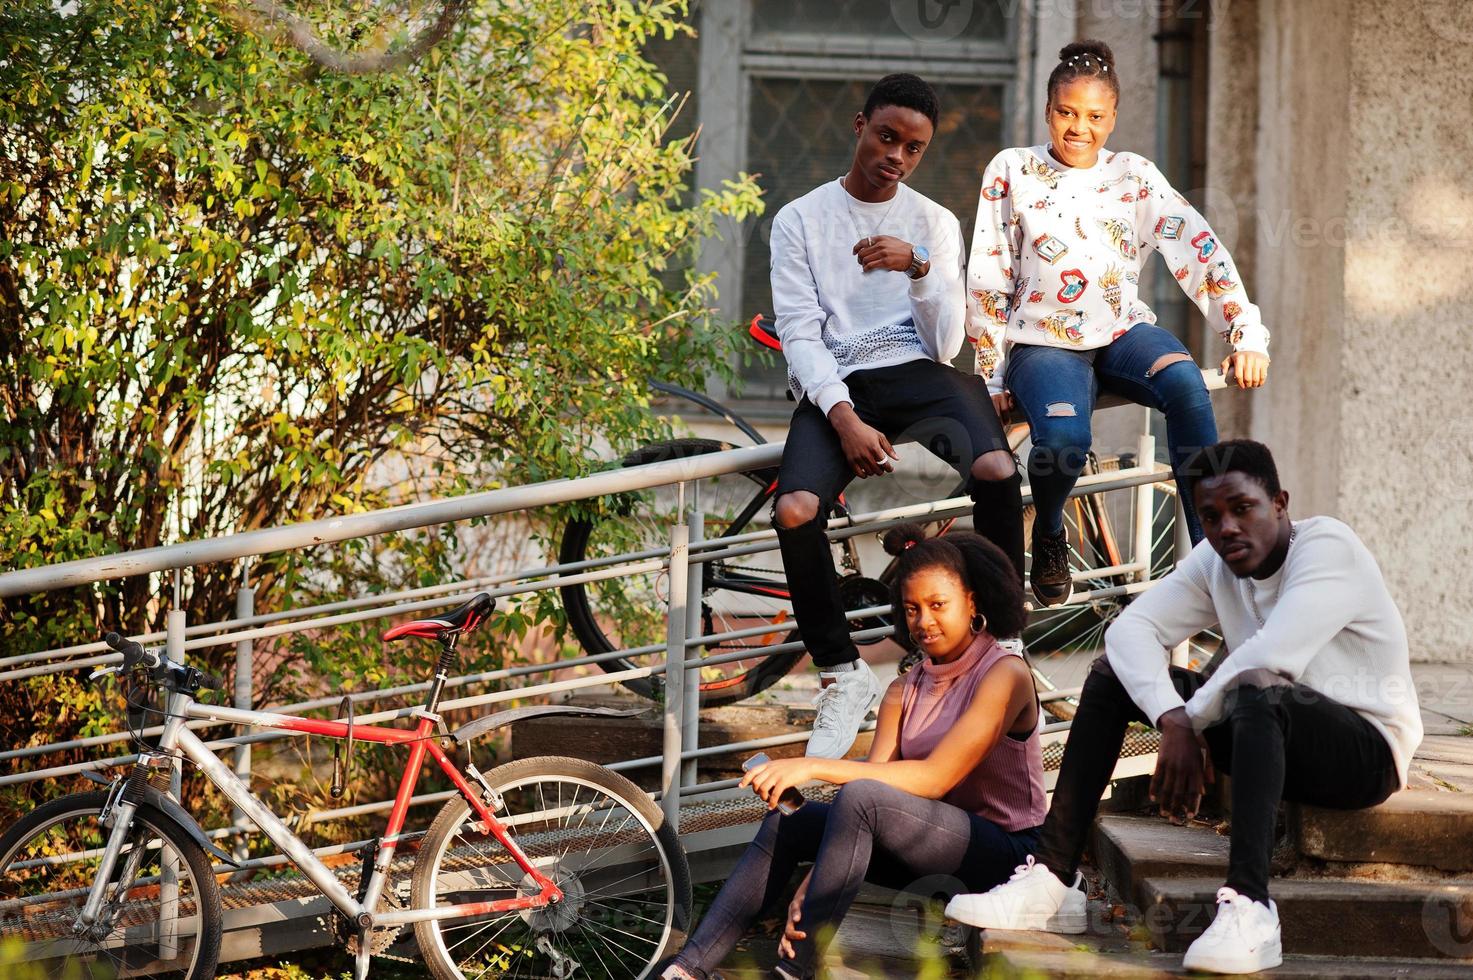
x: 1120, y: 235
x: 1074, y: 285
x: 1169, y: 227
x: 1110, y: 283
x: 1043, y: 173
x: 1218, y: 282
x: 997, y: 190
x: 1064, y: 326
x: 1205, y: 245
x: 1049, y: 248
x: 993, y: 304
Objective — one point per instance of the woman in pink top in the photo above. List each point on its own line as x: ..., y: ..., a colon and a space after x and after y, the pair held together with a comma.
x: 953, y: 785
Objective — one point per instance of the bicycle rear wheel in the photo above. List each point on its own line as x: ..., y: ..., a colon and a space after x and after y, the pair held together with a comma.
x: 625, y: 882
x: 161, y: 910
x: 745, y: 593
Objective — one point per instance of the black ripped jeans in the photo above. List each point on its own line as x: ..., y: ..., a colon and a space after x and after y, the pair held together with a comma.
x: 923, y: 402
x: 1278, y: 742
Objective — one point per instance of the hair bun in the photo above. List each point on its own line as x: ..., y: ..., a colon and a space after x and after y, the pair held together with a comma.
x: 1092, y: 48
x: 903, y: 536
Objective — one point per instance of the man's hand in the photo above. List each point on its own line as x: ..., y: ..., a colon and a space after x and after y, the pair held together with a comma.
x: 1183, y: 767
x: 1248, y: 368
x: 865, y: 447
x: 886, y: 252
x: 791, y: 932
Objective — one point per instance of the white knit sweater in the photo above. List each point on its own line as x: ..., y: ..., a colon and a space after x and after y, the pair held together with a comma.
x: 1057, y: 254
x: 833, y: 317
x: 1329, y: 624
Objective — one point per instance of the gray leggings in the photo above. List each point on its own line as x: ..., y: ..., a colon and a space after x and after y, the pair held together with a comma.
x: 871, y: 832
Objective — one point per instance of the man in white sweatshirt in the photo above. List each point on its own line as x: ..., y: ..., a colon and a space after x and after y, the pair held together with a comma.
x: 868, y: 295
x: 1314, y: 703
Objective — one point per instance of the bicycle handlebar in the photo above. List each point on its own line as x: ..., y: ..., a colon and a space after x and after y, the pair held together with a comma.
x: 132, y: 651
x: 134, y: 655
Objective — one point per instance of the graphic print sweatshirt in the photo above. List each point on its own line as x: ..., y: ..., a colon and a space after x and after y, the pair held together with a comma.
x: 1057, y: 253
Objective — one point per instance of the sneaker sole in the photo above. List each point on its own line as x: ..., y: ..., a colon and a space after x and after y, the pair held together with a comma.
x: 1066, y: 923
x: 1269, y: 957
x: 1054, y: 600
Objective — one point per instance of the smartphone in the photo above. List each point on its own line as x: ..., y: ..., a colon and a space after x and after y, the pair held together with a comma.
x: 790, y: 800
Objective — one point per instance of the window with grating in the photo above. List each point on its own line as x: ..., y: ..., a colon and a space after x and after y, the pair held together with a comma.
x: 880, y: 21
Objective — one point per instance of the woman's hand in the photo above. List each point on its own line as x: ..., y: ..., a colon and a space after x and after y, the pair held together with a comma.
x: 1002, y: 404
x: 1248, y: 367
x: 770, y: 779
x: 791, y: 932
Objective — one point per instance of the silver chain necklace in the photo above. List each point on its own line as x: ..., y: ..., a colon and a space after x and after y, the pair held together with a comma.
x: 1252, y: 602
x: 854, y: 219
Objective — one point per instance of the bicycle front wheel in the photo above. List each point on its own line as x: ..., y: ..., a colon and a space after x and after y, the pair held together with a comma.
x: 625, y: 881
x: 160, y: 914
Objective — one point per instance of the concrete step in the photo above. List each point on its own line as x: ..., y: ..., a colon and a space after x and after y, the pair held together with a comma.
x: 999, y: 955
x: 1129, y: 849
x: 1328, y: 916
x: 1427, y: 828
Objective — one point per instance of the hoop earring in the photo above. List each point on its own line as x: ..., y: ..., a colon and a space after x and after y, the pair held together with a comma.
x: 976, y: 627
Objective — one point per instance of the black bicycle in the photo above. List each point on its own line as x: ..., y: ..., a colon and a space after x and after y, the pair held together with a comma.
x: 749, y: 594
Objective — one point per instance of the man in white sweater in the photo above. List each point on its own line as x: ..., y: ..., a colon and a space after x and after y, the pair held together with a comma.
x: 868, y: 296
x: 1314, y: 703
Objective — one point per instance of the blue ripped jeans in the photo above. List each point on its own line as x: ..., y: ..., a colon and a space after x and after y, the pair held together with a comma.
x: 1056, y: 389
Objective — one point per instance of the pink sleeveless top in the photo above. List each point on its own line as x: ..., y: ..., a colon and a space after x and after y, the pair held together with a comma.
x: 1006, y: 787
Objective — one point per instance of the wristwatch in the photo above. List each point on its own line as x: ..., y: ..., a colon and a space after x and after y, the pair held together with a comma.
x: 919, y: 256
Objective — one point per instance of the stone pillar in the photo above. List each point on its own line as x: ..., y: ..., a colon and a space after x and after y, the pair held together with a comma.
x: 1361, y: 249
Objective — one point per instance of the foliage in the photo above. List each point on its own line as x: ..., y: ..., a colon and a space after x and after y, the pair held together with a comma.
x: 237, y: 291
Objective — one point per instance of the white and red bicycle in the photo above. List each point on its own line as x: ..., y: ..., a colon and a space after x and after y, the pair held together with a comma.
x: 544, y: 867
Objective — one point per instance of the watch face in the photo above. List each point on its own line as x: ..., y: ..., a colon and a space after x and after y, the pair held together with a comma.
x: 922, y: 253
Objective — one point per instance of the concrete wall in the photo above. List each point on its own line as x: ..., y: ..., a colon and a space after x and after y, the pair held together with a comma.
x: 1357, y: 231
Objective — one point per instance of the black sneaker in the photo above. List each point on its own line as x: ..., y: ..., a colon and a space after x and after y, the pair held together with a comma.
x: 1049, y: 574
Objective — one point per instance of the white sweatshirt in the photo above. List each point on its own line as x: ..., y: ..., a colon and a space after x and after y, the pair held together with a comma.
x: 833, y: 317
x: 1057, y: 254
x: 1329, y: 624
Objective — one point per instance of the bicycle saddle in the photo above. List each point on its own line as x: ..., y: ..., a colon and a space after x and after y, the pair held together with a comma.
x: 463, y: 620
x: 763, y: 329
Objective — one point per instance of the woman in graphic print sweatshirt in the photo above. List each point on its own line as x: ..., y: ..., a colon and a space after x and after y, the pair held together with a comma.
x: 1053, y: 303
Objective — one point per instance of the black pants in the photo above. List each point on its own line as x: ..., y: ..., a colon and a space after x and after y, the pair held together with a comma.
x: 1278, y: 742
x: 923, y: 402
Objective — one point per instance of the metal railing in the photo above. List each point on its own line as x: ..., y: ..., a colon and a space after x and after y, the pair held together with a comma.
x: 682, y: 559
x: 678, y: 660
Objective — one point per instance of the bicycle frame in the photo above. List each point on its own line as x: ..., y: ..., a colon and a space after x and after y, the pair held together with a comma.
x: 420, y: 739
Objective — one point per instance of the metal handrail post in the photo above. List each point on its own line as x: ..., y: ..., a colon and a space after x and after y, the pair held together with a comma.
x: 245, y: 606
x: 1181, y: 654
x: 675, y: 627
x: 691, y: 729
x: 168, y: 863
x: 1145, y: 508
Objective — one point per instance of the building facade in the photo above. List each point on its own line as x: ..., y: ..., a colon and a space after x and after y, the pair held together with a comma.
x: 1328, y: 142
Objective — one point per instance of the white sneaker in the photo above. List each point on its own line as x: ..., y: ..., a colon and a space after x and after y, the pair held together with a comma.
x: 1244, y: 938
x: 1033, y: 898
x: 842, y: 706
